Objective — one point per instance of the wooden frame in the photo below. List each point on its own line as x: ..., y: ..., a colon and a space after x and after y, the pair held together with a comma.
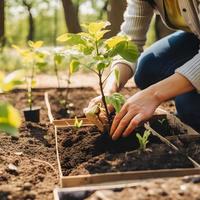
x: 80, y: 180
x: 96, y: 187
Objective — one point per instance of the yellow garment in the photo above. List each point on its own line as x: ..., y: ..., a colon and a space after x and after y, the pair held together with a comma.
x: 174, y: 16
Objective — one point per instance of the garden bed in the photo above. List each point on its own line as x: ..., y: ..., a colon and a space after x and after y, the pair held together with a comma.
x: 183, y: 188
x: 33, y: 153
x: 28, y: 167
x: 87, y: 156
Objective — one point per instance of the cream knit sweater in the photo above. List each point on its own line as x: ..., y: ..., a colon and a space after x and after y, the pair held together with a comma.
x: 137, y: 18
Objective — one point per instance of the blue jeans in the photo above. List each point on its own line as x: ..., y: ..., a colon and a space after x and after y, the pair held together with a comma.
x: 161, y: 60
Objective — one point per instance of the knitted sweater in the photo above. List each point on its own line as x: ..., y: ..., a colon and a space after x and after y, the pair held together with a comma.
x: 137, y: 18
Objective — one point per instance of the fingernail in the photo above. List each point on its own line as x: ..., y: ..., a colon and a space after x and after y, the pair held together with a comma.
x: 114, y: 138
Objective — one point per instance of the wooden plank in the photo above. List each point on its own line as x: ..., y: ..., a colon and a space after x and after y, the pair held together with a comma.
x: 70, y: 122
x: 50, y: 115
x: 81, y: 180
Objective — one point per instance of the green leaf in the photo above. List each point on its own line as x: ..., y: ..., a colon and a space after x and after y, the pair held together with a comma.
x: 116, y: 100
x: 95, y: 27
x: 117, y: 76
x: 9, y: 118
x: 13, y: 79
x: 74, y: 66
x: 36, y: 44
x: 117, y: 49
x: 129, y: 52
x: 58, y: 58
x: 112, y: 42
x: 101, y: 66
x: 72, y: 39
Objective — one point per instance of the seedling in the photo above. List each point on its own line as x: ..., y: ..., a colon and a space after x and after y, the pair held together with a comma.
x: 143, y: 140
x: 59, y: 57
x: 162, y: 121
x: 77, y: 123
x: 10, y: 119
x: 33, y: 59
x: 96, y: 54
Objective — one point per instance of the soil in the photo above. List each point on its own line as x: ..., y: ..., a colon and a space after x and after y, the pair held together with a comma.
x: 59, y: 110
x: 76, y: 106
x: 28, y: 164
x: 82, y: 152
x: 158, y: 189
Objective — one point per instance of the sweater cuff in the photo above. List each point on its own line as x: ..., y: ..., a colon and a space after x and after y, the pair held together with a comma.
x: 191, y: 70
x: 131, y: 65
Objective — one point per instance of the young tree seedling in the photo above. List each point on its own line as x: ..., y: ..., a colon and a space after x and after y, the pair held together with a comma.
x: 96, y: 54
x: 60, y: 57
x: 143, y: 140
x: 34, y: 60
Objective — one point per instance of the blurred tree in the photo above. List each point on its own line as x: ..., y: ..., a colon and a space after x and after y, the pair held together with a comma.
x: 115, y: 10
x: 2, y: 23
x: 71, y: 11
x: 29, y: 4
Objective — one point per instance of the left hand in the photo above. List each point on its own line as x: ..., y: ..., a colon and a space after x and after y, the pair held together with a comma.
x: 137, y: 109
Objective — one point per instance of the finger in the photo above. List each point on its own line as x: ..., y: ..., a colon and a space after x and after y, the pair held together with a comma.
x: 133, y: 124
x: 122, y: 126
x: 117, y: 119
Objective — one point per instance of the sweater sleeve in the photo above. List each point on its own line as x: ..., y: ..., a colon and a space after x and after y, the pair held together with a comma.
x: 191, y: 70
x: 137, y: 18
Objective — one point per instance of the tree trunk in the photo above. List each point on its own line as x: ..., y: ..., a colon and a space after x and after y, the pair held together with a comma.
x: 116, y: 10
x: 31, y: 32
x: 71, y: 16
x: 2, y: 23
x: 161, y: 29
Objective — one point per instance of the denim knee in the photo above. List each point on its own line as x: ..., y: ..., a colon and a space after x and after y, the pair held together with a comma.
x: 142, y: 75
x: 188, y: 109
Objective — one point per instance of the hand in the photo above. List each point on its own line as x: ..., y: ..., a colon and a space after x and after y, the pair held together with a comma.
x: 96, y: 114
x: 138, y: 108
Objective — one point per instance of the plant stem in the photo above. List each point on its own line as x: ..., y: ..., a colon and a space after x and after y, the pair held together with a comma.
x: 103, y: 98
x: 30, y: 91
x: 68, y: 84
x: 57, y: 75
x: 100, y: 73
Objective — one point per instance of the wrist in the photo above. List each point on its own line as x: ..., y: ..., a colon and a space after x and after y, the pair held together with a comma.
x: 154, y: 92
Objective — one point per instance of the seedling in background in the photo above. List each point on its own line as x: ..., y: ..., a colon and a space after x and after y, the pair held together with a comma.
x: 33, y: 59
x: 10, y: 119
x: 60, y: 57
x: 143, y: 140
x: 96, y: 53
x: 77, y: 123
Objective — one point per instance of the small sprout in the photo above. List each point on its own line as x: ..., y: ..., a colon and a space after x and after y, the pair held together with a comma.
x: 77, y: 123
x: 143, y: 140
x: 161, y: 121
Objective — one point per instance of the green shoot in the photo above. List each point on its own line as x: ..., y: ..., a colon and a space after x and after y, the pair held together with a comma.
x: 143, y: 140
x: 77, y: 123
x: 162, y: 121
